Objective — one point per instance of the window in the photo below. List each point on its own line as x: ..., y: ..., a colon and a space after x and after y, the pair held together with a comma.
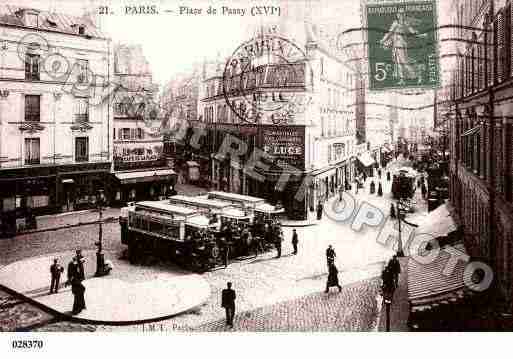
x: 83, y: 66
x: 82, y: 110
x: 126, y: 133
x: 140, y: 133
x: 32, y: 151
x: 31, y: 20
x: 32, y: 108
x: 32, y: 67
x: 81, y: 149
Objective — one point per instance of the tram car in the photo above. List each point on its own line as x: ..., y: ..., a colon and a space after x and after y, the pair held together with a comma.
x: 192, y: 230
x: 404, y: 184
x: 158, y: 229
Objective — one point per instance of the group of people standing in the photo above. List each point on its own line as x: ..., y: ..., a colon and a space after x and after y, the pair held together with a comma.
x: 76, y: 275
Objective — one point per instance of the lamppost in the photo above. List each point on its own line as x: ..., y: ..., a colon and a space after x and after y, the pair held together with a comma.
x: 100, y: 258
x: 400, y: 252
x: 3, y: 95
x: 387, y: 299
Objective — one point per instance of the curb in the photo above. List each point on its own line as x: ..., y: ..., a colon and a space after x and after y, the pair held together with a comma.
x: 106, y: 220
x: 299, y: 225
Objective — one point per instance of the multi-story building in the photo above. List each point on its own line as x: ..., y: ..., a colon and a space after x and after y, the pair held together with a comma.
x: 140, y: 166
x: 315, y: 146
x: 179, y: 99
x: 481, y: 135
x: 55, y: 128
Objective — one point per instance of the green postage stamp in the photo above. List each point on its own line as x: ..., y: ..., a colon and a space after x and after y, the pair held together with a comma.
x: 403, y: 45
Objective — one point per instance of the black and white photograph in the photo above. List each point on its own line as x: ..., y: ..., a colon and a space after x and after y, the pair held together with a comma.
x: 226, y: 167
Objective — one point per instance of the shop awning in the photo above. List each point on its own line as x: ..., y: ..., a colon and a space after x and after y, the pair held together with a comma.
x: 145, y: 176
x: 269, y: 209
x: 429, y: 284
x: 438, y: 223
x: 366, y: 159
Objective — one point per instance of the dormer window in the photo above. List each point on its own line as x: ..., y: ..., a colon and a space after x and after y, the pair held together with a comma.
x: 29, y: 17
x: 79, y: 28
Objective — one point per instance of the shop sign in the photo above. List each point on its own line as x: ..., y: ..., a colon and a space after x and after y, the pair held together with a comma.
x: 137, y: 158
x: 285, y: 144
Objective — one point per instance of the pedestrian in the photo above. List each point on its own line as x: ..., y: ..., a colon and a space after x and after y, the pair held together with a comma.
x: 423, y: 190
x: 55, y: 270
x: 395, y: 267
x: 379, y: 173
x: 387, y: 281
x: 319, y: 211
x: 225, y: 251
x: 372, y: 188
x: 388, y: 176
x: 380, y: 189
x: 392, y: 211
x: 228, y: 303
x: 332, y: 278
x: 77, y: 288
x: 279, y: 239
x: 294, y: 240
x: 80, y: 261
x: 330, y: 255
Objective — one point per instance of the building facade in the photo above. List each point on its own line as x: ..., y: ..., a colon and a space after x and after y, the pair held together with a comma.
x: 481, y: 136
x: 314, y: 148
x: 55, y: 127
x: 139, y: 161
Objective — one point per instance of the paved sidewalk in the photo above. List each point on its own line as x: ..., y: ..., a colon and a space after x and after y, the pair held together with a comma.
x: 400, y: 309
x: 70, y: 219
x: 354, y: 309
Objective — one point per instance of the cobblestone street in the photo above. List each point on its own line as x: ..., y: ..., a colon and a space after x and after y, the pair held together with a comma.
x: 271, y: 292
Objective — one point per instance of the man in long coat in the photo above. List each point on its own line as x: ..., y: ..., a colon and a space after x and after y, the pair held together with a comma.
x: 332, y: 278
x: 228, y: 303
x: 77, y: 288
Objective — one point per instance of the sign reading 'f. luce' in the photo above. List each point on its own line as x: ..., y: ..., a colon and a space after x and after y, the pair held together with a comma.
x: 285, y: 144
x: 403, y: 45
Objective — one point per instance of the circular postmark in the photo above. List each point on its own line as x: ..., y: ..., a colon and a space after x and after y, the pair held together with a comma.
x: 267, y: 75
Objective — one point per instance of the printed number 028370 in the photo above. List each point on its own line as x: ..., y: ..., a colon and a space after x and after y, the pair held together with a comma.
x: 27, y: 344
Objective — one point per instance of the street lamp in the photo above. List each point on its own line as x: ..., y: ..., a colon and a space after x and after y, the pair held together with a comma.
x: 400, y: 252
x: 100, y: 258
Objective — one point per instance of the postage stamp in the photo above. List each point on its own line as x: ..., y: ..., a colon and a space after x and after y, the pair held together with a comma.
x: 402, y: 45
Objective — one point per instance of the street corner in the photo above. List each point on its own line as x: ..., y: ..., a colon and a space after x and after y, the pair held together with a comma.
x: 125, y: 296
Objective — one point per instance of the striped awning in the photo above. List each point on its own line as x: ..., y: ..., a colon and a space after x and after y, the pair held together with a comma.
x: 433, y: 284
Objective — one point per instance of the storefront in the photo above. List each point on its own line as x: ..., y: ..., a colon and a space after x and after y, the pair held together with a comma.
x: 149, y: 184
x: 366, y: 163
x: 33, y: 191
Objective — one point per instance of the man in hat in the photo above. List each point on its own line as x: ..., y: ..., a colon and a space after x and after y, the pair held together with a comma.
x: 228, y: 303
x: 55, y: 270
x: 330, y: 255
x: 295, y: 240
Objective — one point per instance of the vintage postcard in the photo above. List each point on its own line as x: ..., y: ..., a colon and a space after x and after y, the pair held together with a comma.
x: 285, y: 166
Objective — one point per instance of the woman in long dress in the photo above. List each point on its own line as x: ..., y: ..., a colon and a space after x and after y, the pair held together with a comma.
x: 395, y: 39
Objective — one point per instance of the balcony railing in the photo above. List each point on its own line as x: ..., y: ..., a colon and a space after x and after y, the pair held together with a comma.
x: 81, y: 158
x: 32, y: 161
x: 32, y: 117
x: 82, y: 117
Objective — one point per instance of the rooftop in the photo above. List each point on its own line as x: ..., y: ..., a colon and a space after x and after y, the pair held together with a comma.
x: 11, y: 15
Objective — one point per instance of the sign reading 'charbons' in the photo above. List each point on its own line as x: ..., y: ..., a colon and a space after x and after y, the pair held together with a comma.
x: 403, y: 47
x: 285, y: 144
